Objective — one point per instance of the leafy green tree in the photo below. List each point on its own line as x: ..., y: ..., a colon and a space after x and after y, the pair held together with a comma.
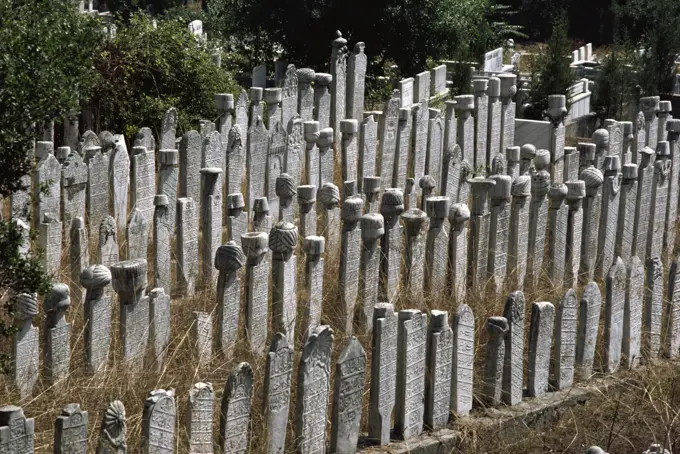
x: 46, y: 51
x: 127, y: 7
x: 144, y: 71
x: 551, y: 74
x: 614, y: 87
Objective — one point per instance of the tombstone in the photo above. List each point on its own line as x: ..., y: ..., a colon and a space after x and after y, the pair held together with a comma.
x: 256, y: 156
x: 289, y: 100
x: 601, y: 140
x: 411, y: 354
x: 329, y: 197
x: 306, y: 198
x: 653, y: 308
x: 614, y: 312
x: 459, y: 215
x: 383, y: 373
x: 314, y: 268
x: 480, y: 87
x: 229, y: 258
x: 350, y: 257
x: 272, y: 98
x: 663, y: 116
x: 348, y: 390
x: 421, y: 86
x: 508, y: 91
x: 565, y: 341
x: 167, y: 181
x: 234, y: 159
x: 349, y: 129
x: 593, y: 179
x: 497, y: 329
x: 97, y: 186
x: 241, y: 120
x: 237, y: 217
x: 643, y: 203
x: 144, y: 138
x: 129, y: 281
x: 276, y: 400
x: 282, y: 242
x: 20, y: 199
x: 119, y: 178
x: 640, y: 136
x: 452, y: 174
x: 163, y: 229
x: 312, y: 169
x: 436, y: 248
x: 256, y: 289
x: 338, y: 71
x: 499, y: 226
x: 326, y: 157
x: 79, y: 256
x: 410, y: 195
x: 201, y: 335
x: 285, y: 191
x: 25, y: 346
x: 372, y: 229
x: 97, y: 318
x: 137, y: 235
x: 540, y: 340
x: 406, y: 89
x: 538, y: 215
x: 391, y: 244
x: 313, y: 389
x: 518, y: 237
x: 649, y: 106
x: 158, y: 422
x: 368, y: 133
x: 439, y: 360
x: 389, y: 123
x: 632, y: 316
x: 371, y: 190
x: 615, y: 130
x: 495, y: 107
x: 187, y: 246
x: 70, y: 430
x: 557, y: 113
x: 73, y: 189
x: 571, y: 164
x: 478, y: 239
x: 23, y: 230
x: 17, y: 433
x: 514, y: 349
x: 609, y: 214
x: 211, y: 219
x: 673, y: 127
x: 672, y: 344
x: 420, y: 129
x: 658, y: 201
x: 259, y: 76
x: 435, y: 143
x: 415, y: 226
x: 295, y: 150
x: 556, y: 237
x: 50, y: 241
x: 47, y: 188
x: 576, y: 191
x: 322, y: 99
x: 305, y: 96
x: 200, y: 418
x: 261, y: 221
x: 159, y: 324
x: 189, y: 165
x: 402, y: 148
x: 57, y: 333
x: 356, y: 80
x: 168, y: 130
x: 623, y: 244
x: 112, y: 432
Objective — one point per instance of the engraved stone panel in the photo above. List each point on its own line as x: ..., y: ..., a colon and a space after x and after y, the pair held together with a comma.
x: 497, y: 329
x: 540, y: 340
x: 348, y: 391
x: 411, y: 354
x: 367, y: 150
x: 159, y: 323
x: 389, y: 123
x: 143, y: 181
x: 439, y: 360
x: 420, y: 128
x: 256, y: 289
x: 462, y: 374
x: 383, y: 373
x: 614, y: 311
x: 672, y: 344
x: 158, y: 422
x: 276, y: 400
x: 74, y: 189
x: 589, y: 317
x: 49, y: 240
x: 112, y: 432
x: 47, y: 175
x: 513, y: 367
x: 119, y: 178
x: 70, y: 431
x: 653, y: 308
x: 187, y: 245
x: 235, y: 410
x: 565, y: 341
x: 200, y: 418
x: 356, y: 80
x: 17, y: 433
x: 632, y: 312
x: 97, y: 316
x: 276, y: 157
x: 256, y: 157
x: 137, y: 235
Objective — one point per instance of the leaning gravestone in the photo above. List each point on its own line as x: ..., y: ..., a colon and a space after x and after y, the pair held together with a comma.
x: 25, y: 351
x: 112, y: 432
x: 200, y: 418
x: 411, y: 346
x: 163, y: 229
x: 73, y: 190
x: 144, y: 138
x: 614, y: 309
x: 256, y: 289
x: 97, y: 316
x: 540, y: 340
x: 348, y: 390
x: 586, y: 339
x: 229, y: 259
x: 70, y: 430
x: 632, y: 312
x: 168, y: 177
x: 439, y: 358
x: 513, y: 367
x: 97, y: 193
x: 276, y: 400
x: 158, y: 422
x: 57, y: 350
x: 187, y: 245
x: 383, y: 373
x: 565, y: 341
x: 211, y: 220
x: 201, y: 338
x: 159, y: 324
x: 17, y: 433
x: 143, y: 181
x: 119, y: 171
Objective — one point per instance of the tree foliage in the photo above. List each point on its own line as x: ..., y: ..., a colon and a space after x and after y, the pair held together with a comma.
x: 616, y: 83
x: 144, y: 71
x: 127, y: 7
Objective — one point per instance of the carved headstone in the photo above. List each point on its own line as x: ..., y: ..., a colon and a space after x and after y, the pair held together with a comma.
x: 129, y: 281
x: 276, y: 400
x: 643, y: 203
x: 658, y: 201
x: 479, y: 233
x: 609, y: 214
x: 356, y: 75
x: 348, y: 391
x: 228, y: 260
x: 497, y: 329
x: 513, y: 367
x: 439, y: 360
x: 415, y: 226
x: 305, y: 95
x: 235, y: 410
x: 420, y: 128
x: 614, y: 311
x: 632, y: 312
x: 256, y: 158
x: 282, y: 242
x: 586, y: 339
x: 538, y: 216
x: 459, y: 215
x: 17, y: 433
x: 73, y: 189
x: 201, y: 334
x: 187, y: 245
x: 168, y: 175
x: 163, y: 229
x: 211, y: 220
x: 97, y: 316
x: 70, y: 430
x: 289, y: 100
x: 402, y: 148
x: 518, y: 241
x: 576, y: 191
x: 565, y: 341
x: 508, y: 91
x: 391, y: 244
x: 200, y: 418
x: 591, y: 220
x: 25, y: 353
x: 47, y: 188
x: 372, y: 229
x: 159, y: 324
x: 143, y: 181
x: 411, y: 354
x: 190, y: 165
x: 673, y: 311
x: 499, y: 226
x: 389, y: 123
x: 137, y: 235
x: 79, y: 256
x: 556, y: 237
x: 653, y: 308
x: 436, y: 249
x: 256, y: 289
x: 328, y: 199
x: 235, y: 161
x: 119, y: 171
x: 158, y: 422
x: 49, y: 240
x: 383, y: 373
x: 57, y: 332
x: 540, y: 340
x: 237, y: 217
x: 168, y: 130
x: 112, y: 432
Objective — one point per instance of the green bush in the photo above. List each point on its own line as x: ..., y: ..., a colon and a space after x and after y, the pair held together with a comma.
x: 145, y: 70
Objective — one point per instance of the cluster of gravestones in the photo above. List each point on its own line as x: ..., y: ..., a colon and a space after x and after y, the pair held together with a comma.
x: 562, y: 216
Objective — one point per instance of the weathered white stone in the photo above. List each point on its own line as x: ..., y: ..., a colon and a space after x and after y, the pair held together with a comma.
x: 653, y: 308
x: 289, y: 100
x: 480, y: 87
x: 462, y: 373
x: 411, y: 354
x: 643, y: 203
x: 436, y: 247
x: 495, y: 107
x: 614, y: 313
x: 47, y: 188
x: 672, y: 344
x: 112, y: 432
x: 348, y: 391
x: 17, y: 433
x: 565, y: 341
x: 229, y: 259
x: 576, y: 190
x: 420, y: 128
x: 383, y: 373
x: 57, y: 332
x: 435, y: 144
x: 144, y: 138
x: 609, y: 214
x: 190, y: 165
x: 129, y: 282
x: 137, y: 235
x: 415, y: 224
x: 211, y: 220
x: 591, y: 220
x: 25, y: 353
x: 658, y: 201
x: 478, y: 240
x: 623, y: 245
x: 158, y: 422
x: 276, y: 158
x: 276, y: 400
x: 256, y: 289
x: 673, y: 127
x: 326, y: 157
x: 119, y: 180
x: 107, y: 247
x: 518, y: 237
x: 168, y: 129
x: 439, y: 360
x: 159, y: 324
x: 497, y: 329
x: 235, y: 161
x: 97, y: 190
x: 389, y: 123
x: 70, y: 430
x: 459, y: 215
x: 350, y: 258
x: 282, y: 242
x: 305, y: 95
x: 97, y: 316
x: 79, y: 257
x: 540, y: 340
x: 338, y: 70
x: 261, y: 220
x: 556, y: 237
x: 256, y: 158
x: 421, y: 86
x: 187, y: 245
x: 200, y: 418
x: 295, y: 151
x: 589, y: 317
x: 368, y: 137
x: 649, y: 106
x: 508, y: 90
x: 49, y: 240
x: 356, y: 80
x: 372, y: 229
x: 513, y: 366
x: 163, y: 228
x: 406, y: 90
x: 73, y: 189
x: 632, y: 312
x: 201, y: 334
x: 499, y: 227
x: 391, y: 245
x: 237, y: 217
x: 329, y: 197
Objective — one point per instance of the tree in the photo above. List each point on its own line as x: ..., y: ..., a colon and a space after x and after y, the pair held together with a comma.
x: 551, y: 74
x: 127, y: 7
x: 46, y: 51
x: 614, y: 86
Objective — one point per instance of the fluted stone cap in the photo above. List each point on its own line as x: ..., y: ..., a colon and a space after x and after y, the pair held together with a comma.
x: 630, y: 172
x: 542, y: 159
x: 329, y: 195
x: 58, y: 299
x: 254, y: 244
x: 513, y: 154
x: 323, y: 79
x: 352, y: 210
x: 371, y: 185
x: 306, y: 193
x: 168, y: 157
x: 392, y: 203
x: 63, y: 152
x: 673, y: 125
x: 665, y: 107
x: 521, y: 187
x: 311, y: 129
x: 464, y: 102
x: 372, y: 226
x: 592, y: 177
x: 283, y: 237
x: 235, y: 201
x: 508, y: 85
x: 129, y: 277
x: 224, y: 102
x: 414, y: 220
x: 587, y: 150
x: 501, y: 190
x: 229, y: 257
x: 576, y: 190
x: 325, y: 138
x: 25, y: 306
x: 211, y: 171
x: 540, y: 183
x: 305, y: 75
x: 95, y: 277
x: 458, y: 213
x: 255, y: 94
x: 261, y: 205
x: 160, y: 200
x: 350, y: 126
x: 285, y: 186
x: 497, y: 326
x: 557, y: 105
x: 494, y: 87
x: 349, y: 188
x: 438, y: 207
x: 663, y: 148
x: 273, y: 95
x: 427, y: 183
x: 480, y: 85
x: 314, y: 245
x: 601, y: 137
x: 527, y: 151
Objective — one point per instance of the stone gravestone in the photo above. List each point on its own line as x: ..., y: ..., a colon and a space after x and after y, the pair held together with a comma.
x: 576, y: 191
x: 480, y: 87
x: 119, y: 178
x: 591, y: 220
x: 187, y: 246
x: 623, y: 246
x: 259, y: 76
x: 190, y: 164
x: 350, y: 257
x: 326, y: 157
x: 383, y: 373
x: 70, y: 430
x: 462, y: 372
x: 289, y: 101
x: 163, y: 229
x: 17, y: 433
x: 143, y: 179
x: 642, y: 207
x: 235, y: 159
x: 305, y: 108
x: 201, y: 333
x: 137, y: 235
x: 673, y: 127
x: 356, y: 80
x: 79, y: 256
x: 586, y: 339
x: 312, y: 133
x: 632, y: 312
x: 649, y: 106
x: 261, y: 221
x: 411, y: 354
x: 478, y: 240
x: 276, y: 157
x: 459, y: 215
x: 420, y: 128
x: 556, y: 237
x: 673, y: 311
x: 235, y: 410
x: 50, y: 241
x: 57, y: 332
x: 495, y: 106
x: 285, y: 192
x: 565, y: 341
x: 518, y: 241
x: 513, y: 366
x: 653, y: 308
x: 129, y: 281
x: 436, y: 248
x: 450, y: 124
x: 452, y: 173
x: 168, y: 130
x: 158, y: 422
x: 497, y: 329
x: 556, y: 114
x: 73, y: 189
x: 295, y: 151
x: 415, y: 226
x: 112, y: 432
x: 306, y: 199
x: 322, y: 99
x: 167, y: 184
x: 159, y: 324
x: 391, y: 245
x: 47, y: 187
x: 439, y: 360
x: 237, y: 217
x: 658, y: 201
x: 200, y: 418
x: 614, y: 311
x: 349, y: 130
x: 97, y: 192
x: 538, y: 216
x: 499, y: 226
x: 211, y: 220
x: 256, y: 289
x: 389, y: 122
x: 329, y: 197
x: 338, y: 70
x: 348, y: 390
x: 314, y: 267
x: 282, y: 242
x: 368, y: 134
x: 256, y: 157
x: 144, y: 138
x: 402, y: 148
x: 540, y: 340
x: 97, y: 316
x: 25, y: 353
x: 276, y: 400
x: 508, y: 91
x: 609, y: 214
x: 313, y: 389
x: 229, y: 259
x: 372, y: 229
x: 435, y: 143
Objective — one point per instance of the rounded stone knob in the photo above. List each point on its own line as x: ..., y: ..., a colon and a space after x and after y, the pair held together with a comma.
x: 311, y: 129
x: 438, y: 207
x: 285, y: 186
x: 392, y: 202
x: 371, y: 185
x: 372, y: 227
x: 58, y: 299
x: 349, y: 126
x: 329, y: 195
x: 558, y: 191
x: 273, y: 95
x: 427, y: 183
x: 256, y: 95
x: 630, y: 172
x: 592, y: 177
x: 508, y: 85
x: 254, y: 244
x: 229, y: 257
x: 283, y: 237
x: 494, y: 87
x: 352, y: 210
x: 501, y: 190
x: 95, y: 277
x: 129, y: 276
x: 306, y: 193
x: 235, y: 201
x: 325, y: 138
x: 464, y: 102
x: 521, y: 187
x: 314, y: 245
x: 414, y: 220
x: 261, y: 205
x: 160, y: 200
x: 25, y: 306
x: 540, y: 183
x: 576, y: 190
x: 323, y: 79
x: 527, y: 151
x: 305, y: 75
x: 601, y: 137
x: 542, y: 159
x: 459, y: 213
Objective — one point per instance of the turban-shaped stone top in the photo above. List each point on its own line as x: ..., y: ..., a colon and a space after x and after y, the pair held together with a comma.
x: 601, y: 137
x: 323, y: 79
x: 458, y: 213
x: 254, y: 244
x: 558, y: 191
x: 592, y: 177
x: 283, y: 237
x: 95, y: 276
x: 229, y: 257
x: 129, y: 276
x: 58, y: 298
x: 306, y: 193
x: 521, y: 187
x: 285, y: 186
x: 542, y: 159
x: 25, y: 306
x: 329, y: 194
x: 392, y: 202
x: 527, y: 151
x: 372, y: 226
x: 305, y: 75
x: 427, y: 182
x: 352, y: 210
x: 576, y: 190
